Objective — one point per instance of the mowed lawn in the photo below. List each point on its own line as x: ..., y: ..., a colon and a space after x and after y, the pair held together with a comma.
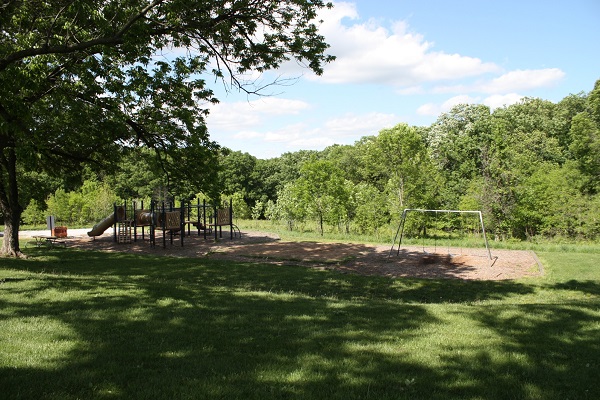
x: 90, y: 325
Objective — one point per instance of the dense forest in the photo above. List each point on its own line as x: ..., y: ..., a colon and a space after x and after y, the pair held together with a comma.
x: 533, y: 168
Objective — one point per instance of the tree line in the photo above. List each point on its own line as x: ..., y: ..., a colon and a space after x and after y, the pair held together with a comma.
x: 533, y: 168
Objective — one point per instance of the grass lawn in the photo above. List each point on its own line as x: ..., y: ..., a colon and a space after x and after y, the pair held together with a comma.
x: 90, y: 325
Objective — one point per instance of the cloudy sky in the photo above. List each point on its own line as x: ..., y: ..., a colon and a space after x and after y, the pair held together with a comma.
x: 408, y: 61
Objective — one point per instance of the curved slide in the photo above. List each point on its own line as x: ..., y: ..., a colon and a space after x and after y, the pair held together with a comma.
x: 103, y: 225
x: 106, y: 223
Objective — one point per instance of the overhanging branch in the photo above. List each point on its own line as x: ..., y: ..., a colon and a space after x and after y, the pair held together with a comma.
x: 112, y: 40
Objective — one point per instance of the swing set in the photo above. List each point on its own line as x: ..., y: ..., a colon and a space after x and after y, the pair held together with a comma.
x: 401, y: 227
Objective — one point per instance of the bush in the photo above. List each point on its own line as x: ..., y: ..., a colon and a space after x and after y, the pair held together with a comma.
x: 34, y: 213
x: 91, y: 203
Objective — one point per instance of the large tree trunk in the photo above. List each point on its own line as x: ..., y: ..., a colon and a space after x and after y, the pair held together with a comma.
x: 10, y: 244
x: 9, y: 202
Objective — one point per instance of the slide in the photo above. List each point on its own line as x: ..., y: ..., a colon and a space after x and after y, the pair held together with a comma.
x: 103, y: 225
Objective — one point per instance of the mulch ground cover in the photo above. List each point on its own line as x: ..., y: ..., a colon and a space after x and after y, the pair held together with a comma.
x: 364, y: 259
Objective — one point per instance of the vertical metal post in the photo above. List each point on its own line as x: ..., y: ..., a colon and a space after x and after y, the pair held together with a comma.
x: 485, y: 237
x: 230, y: 219
x: 181, y: 221
x: 400, y: 232
x: 163, y: 212
x: 215, y: 212
x: 115, y: 220
x: 142, y: 224
x: 198, y: 216
x: 204, y: 216
x: 153, y: 223
x: 134, y: 221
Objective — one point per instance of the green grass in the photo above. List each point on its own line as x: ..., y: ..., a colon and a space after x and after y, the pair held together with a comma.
x: 93, y: 325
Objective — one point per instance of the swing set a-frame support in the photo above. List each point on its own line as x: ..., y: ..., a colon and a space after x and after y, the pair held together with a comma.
x: 400, y: 231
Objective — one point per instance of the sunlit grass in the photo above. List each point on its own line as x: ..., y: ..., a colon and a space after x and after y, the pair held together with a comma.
x: 100, y: 326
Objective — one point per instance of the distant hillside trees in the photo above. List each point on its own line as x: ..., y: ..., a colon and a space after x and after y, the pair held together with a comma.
x: 532, y: 167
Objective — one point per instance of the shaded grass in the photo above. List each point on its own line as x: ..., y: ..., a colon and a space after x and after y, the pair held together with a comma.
x: 119, y: 326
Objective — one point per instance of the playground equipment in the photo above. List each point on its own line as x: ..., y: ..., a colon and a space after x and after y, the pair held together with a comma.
x: 401, y: 226
x: 102, y: 226
x: 168, y: 219
x: 124, y: 231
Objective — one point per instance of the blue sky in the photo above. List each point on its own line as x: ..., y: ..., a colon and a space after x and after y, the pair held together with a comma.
x: 408, y: 61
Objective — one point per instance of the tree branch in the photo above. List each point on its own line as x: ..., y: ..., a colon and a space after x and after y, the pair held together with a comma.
x: 115, y: 39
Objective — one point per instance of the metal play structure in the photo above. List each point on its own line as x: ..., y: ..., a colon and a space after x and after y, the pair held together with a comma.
x: 166, y: 218
x: 400, y: 231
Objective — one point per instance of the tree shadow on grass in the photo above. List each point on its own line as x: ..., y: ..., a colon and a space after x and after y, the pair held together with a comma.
x: 553, y: 348
x: 170, y: 336
x: 589, y: 287
x: 273, y: 278
x: 153, y: 327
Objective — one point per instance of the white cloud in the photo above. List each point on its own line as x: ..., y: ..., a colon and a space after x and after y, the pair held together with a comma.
x: 493, y: 102
x: 510, y: 82
x: 287, y: 134
x: 293, y: 137
x: 502, y: 90
x: 501, y: 100
x: 359, y: 125
x: 429, y: 109
x: 344, y: 129
x: 310, y: 143
x: 523, y: 80
x: 456, y: 100
x: 406, y: 91
x: 244, y: 114
x: 370, y: 53
x: 245, y: 135
x: 432, y: 109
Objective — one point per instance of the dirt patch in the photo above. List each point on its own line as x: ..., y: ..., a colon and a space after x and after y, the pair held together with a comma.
x: 354, y: 258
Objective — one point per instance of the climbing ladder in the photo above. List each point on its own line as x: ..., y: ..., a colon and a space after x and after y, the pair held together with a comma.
x: 124, y: 230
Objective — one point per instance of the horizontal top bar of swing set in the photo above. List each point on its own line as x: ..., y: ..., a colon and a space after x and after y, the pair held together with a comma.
x: 456, y: 211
